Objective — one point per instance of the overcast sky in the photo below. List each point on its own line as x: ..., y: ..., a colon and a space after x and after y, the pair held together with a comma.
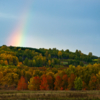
x: 61, y: 24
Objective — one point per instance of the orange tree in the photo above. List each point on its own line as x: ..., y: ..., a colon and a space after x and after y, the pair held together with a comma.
x: 58, y: 83
x: 22, y: 85
x: 71, y: 80
x: 44, y: 84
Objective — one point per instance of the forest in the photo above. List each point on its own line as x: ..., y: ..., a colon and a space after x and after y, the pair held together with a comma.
x: 23, y: 68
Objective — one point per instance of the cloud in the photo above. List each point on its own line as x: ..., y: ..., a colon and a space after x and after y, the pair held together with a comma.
x: 7, y: 16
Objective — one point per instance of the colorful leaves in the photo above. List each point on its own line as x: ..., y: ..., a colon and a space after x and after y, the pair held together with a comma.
x: 34, y: 83
x: 93, y: 82
x: 50, y: 82
x: 22, y: 85
x: 78, y: 83
x: 58, y: 83
x: 71, y: 81
x: 65, y: 81
x: 44, y: 84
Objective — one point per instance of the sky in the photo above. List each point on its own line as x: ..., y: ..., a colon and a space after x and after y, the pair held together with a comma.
x: 61, y: 24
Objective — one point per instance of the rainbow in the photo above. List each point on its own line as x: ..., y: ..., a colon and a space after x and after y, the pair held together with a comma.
x: 16, y: 37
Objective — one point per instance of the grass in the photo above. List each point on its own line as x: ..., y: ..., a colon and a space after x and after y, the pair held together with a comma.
x: 64, y: 63
x: 49, y: 95
x: 96, y: 60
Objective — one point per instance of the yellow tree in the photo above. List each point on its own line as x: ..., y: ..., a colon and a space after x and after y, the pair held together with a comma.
x: 49, y: 62
x: 10, y: 79
x: 1, y: 76
x: 44, y: 61
x: 98, y: 80
x: 1, y: 62
x: 59, y: 55
x: 49, y: 56
x: 34, y: 83
x: 37, y: 73
x: 71, y: 69
x: 34, y: 63
x: 46, y: 54
x: 5, y: 62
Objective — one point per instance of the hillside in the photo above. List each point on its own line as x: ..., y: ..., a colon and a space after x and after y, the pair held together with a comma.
x: 42, y: 69
x: 33, y: 57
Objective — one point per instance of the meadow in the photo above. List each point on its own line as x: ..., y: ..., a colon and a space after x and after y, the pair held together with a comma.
x: 49, y: 95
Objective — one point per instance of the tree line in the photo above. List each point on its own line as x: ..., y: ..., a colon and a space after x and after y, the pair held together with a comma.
x: 42, y: 78
x: 48, y: 69
x: 44, y: 57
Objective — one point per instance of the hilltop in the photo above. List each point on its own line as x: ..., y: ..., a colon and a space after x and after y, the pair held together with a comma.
x: 32, y: 57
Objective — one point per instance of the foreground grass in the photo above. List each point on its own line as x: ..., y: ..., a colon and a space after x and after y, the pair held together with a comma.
x: 49, y: 95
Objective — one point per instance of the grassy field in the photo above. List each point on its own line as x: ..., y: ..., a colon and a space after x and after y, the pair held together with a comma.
x: 49, y: 95
x: 96, y: 60
x: 64, y: 63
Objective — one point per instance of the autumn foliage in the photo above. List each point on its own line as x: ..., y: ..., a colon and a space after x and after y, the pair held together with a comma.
x: 93, y: 82
x: 84, y: 86
x: 44, y: 84
x: 58, y: 83
x: 22, y: 85
x: 34, y: 83
x: 50, y: 82
x: 65, y: 82
x: 48, y: 69
x: 71, y: 80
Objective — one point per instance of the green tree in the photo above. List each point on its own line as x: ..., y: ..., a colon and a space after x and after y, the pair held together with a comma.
x: 81, y: 63
x: 20, y: 59
x: 26, y: 61
x: 90, y: 54
x: 98, y: 60
x: 34, y: 63
x: 78, y: 83
x: 30, y: 63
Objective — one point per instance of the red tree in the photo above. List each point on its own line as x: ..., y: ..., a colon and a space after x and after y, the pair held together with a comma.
x: 50, y: 82
x: 71, y: 80
x: 22, y: 85
x: 58, y: 83
x: 84, y: 87
x: 64, y: 81
x: 44, y: 85
x: 93, y: 82
x: 34, y: 83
